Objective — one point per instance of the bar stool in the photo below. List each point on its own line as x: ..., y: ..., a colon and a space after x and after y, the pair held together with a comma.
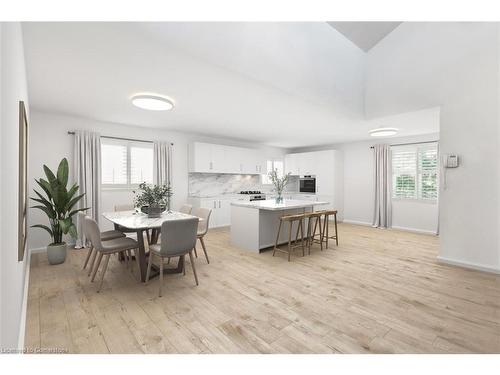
x: 300, y: 227
x: 326, y: 236
x: 311, y: 231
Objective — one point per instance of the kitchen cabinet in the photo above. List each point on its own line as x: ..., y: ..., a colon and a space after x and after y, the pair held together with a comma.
x: 213, y: 158
x: 221, y: 210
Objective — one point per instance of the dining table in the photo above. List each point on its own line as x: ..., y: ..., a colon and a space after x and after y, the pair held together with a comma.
x: 140, y: 223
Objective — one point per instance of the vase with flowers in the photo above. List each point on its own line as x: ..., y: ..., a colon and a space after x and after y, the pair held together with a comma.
x: 279, y: 183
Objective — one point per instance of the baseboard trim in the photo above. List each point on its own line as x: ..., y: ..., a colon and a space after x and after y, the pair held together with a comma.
x: 24, y: 308
x: 38, y: 250
x: 469, y: 265
x: 420, y: 231
x: 364, y: 223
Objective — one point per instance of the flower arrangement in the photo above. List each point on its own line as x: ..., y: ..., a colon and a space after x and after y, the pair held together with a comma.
x: 152, y: 199
x: 279, y: 183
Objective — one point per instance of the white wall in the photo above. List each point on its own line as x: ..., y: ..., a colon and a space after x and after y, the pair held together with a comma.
x: 13, y: 89
x: 454, y: 66
x: 50, y: 142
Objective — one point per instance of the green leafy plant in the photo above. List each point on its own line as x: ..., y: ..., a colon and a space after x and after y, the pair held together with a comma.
x: 58, y: 203
x: 155, y: 195
x: 279, y: 183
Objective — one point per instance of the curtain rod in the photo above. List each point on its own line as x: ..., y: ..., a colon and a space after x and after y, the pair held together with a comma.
x: 121, y: 139
x: 413, y: 143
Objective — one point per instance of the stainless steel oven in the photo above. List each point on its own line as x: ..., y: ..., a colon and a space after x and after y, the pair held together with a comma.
x: 307, y: 184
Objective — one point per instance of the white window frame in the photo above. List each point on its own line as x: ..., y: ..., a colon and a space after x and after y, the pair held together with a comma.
x: 417, y: 149
x: 129, y: 145
x: 265, y: 177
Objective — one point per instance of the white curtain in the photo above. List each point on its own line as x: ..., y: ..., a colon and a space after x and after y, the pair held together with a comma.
x: 162, y: 167
x: 87, y: 151
x: 382, y: 216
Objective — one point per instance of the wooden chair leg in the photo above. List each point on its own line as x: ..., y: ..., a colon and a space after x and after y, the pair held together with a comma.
x: 105, y: 267
x: 99, y: 258
x: 336, y: 232
x: 204, y: 248
x: 309, y: 236
x: 290, y: 241
x: 195, y: 252
x: 92, y: 262
x: 326, y: 231
x: 150, y: 263
x: 277, y: 238
x: 318, y: 219
x: 161, y: 275
x: 302, y: 237
x: 88, y: 257
x: 192, y: 265
x: 183, y: 264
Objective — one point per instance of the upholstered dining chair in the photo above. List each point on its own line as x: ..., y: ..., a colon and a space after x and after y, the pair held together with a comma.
x: 204, y: 214
x: 186, y: 209
x: 179, y: 238
x: 106, y: 248
x: 105, y: 236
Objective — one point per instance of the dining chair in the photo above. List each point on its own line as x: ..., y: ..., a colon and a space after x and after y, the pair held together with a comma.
x: 106, y: 248
x: 204, y: 214
x: 179, y: 239
x: 105, y: 236
x: 186, y: 208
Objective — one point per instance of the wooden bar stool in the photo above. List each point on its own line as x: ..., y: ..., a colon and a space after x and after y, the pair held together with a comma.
x: 326, y: 236
x: 300, y: 227
x: 313, y: 224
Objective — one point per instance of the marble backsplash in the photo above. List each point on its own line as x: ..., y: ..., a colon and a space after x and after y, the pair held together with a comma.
x: 211, y: 184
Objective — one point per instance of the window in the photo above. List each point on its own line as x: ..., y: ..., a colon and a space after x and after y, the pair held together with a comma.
x: 415, y: 172
x: 270, y: 166
x: 126, y: 163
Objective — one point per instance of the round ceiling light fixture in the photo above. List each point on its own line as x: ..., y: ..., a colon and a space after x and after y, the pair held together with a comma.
x: 383, y: 132
x: 152, y: 102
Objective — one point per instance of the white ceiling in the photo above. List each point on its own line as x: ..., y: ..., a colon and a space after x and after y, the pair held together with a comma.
x: 365, y: 34
x: 281, y: 84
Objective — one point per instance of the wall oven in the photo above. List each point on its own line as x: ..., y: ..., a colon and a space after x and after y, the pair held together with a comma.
x: 307, y: 184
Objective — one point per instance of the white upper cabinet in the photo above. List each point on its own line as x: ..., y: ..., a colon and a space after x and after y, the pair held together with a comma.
x: 200, y: 158
x: 212, y: 158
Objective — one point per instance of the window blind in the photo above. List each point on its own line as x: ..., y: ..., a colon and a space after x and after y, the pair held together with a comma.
x: 414, y: 172
x: 125, y: 163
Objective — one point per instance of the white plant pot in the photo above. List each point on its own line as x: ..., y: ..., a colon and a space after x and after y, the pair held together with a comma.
x: 57, y: 253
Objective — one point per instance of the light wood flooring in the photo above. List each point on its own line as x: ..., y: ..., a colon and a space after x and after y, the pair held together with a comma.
x: 380, y: 291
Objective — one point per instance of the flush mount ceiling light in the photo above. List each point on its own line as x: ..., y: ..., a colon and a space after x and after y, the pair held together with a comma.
x: 383, y: 132
x: 152, y: 102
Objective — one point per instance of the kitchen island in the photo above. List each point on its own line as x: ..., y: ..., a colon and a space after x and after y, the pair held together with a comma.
x: 254, y: 225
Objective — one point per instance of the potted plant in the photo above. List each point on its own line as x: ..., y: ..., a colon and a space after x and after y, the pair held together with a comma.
x: 279, y: 183
x: 154, y: 199
x: 58, y: 206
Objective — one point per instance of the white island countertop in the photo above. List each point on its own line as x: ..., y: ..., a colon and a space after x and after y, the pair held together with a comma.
x: 271, y: 205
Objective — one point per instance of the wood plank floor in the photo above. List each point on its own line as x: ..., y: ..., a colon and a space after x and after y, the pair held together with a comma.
x: 380, y: 291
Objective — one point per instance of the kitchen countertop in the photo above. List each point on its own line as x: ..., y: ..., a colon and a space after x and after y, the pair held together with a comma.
x: 271, y: 205
x: 237, y: 195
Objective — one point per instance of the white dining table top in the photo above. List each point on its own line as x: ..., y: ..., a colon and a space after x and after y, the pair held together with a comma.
x: 138, y: 220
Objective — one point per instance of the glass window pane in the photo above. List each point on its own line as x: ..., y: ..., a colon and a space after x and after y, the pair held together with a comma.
x: 141, y: 164
x: 113, y: 163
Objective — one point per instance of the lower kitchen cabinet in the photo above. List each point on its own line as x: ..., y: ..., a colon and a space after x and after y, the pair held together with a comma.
x: 221, y: 210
